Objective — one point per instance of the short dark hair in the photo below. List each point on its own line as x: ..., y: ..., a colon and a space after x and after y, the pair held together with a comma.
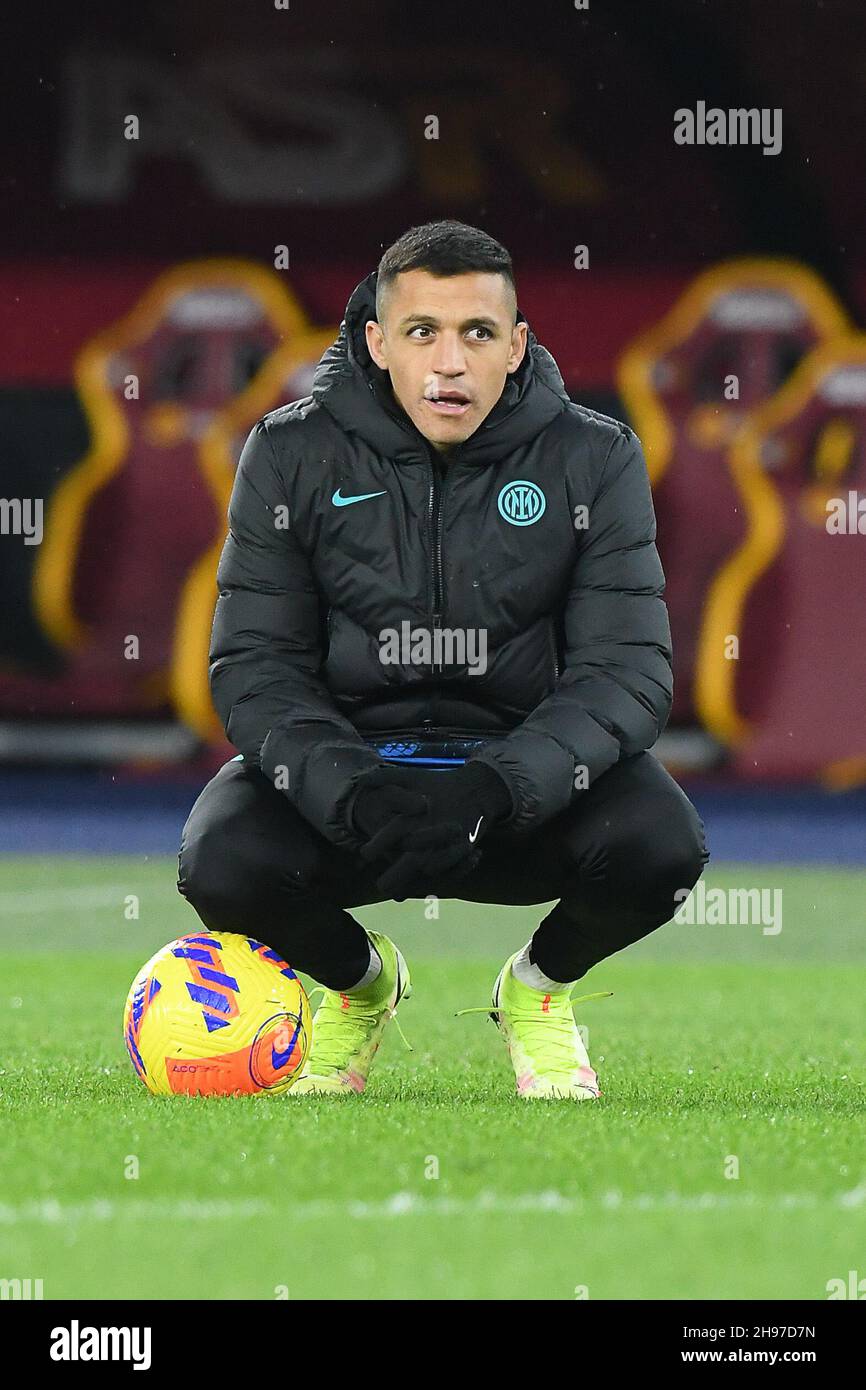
x: 443, y: 248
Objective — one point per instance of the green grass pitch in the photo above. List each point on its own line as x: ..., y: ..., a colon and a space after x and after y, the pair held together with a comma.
x: 721, y: 1047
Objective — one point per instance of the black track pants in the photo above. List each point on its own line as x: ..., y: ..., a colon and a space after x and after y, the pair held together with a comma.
x: 616, y: 861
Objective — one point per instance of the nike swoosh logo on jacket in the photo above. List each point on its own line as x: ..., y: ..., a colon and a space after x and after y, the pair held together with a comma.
x: 339, y: 501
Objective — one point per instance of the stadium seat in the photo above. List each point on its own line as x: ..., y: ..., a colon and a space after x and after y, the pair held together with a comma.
x: 145, y: 507
x: 288, y: 376
x: 781, y: 669
x: 689, y: 384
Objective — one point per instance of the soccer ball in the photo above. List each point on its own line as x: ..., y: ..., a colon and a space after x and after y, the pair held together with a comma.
x: 217, y: 1014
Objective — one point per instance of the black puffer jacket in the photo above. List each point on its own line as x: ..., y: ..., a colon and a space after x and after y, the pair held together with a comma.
x: 578, y: 643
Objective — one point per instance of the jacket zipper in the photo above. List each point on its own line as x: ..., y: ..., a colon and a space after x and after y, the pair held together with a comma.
x: 435, y: 516
x: 555, y: 654
x: 433, y: 522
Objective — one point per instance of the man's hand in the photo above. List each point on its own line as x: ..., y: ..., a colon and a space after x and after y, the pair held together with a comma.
x: 444, y: 844
x: 384, y: 808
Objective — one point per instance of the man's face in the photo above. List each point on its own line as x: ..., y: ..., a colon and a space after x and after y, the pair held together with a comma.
x: 448, y: 344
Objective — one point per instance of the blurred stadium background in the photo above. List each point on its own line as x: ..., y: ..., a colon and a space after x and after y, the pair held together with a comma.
x: 161, y: 292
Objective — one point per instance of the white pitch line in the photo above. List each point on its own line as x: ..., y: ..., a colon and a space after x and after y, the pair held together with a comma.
x: 50, y: 1212
x: 36, y: 900
x: 400, y: 1204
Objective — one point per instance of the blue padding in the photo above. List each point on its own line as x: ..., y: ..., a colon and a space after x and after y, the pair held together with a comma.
x: 428, y: 762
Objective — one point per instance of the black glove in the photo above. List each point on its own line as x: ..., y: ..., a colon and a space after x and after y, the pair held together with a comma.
x: 462, y: 806
x: 380, y: 804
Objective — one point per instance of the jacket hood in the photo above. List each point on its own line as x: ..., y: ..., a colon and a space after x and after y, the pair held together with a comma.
x: 358, y: 395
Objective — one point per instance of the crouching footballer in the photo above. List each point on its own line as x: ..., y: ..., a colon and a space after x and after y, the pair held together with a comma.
x: 442, y: 651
